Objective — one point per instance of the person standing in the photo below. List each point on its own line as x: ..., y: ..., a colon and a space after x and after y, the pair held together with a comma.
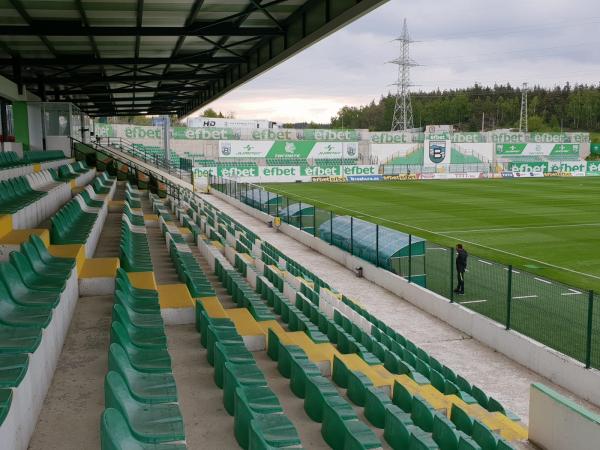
x: 461, y: 267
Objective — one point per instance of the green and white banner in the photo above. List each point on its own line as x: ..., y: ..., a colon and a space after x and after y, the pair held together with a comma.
x: 288, y: 149
x: 204, y: 134
x: 537, y: 149
x: 565, y: 167
x: 283, y: 173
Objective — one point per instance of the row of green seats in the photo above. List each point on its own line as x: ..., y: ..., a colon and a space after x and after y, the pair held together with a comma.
x: 71, y: 224
x: 16, y: 193
x: 31, y: 284
x: 134, y: 248
x: 341, y: 427
x: 69, y: 172
x: 190, y: 272
x: 376, y: 401
x: 11, y: 159
x: 242, y: 293
x: 404, y: 355
x: 140, y: 393
x: 259, y: 420
x: 441, y: 377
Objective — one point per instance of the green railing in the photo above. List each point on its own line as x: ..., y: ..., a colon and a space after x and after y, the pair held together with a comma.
x: 559, y: 316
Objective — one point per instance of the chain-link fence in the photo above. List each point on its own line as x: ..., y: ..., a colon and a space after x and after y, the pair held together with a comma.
x: 559, y: 316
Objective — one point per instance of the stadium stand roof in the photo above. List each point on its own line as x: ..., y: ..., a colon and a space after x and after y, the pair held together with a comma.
x: 129, y: 57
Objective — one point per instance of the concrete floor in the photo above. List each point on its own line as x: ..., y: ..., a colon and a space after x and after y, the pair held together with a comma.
x: 497, y: 375
x: 70, y: 416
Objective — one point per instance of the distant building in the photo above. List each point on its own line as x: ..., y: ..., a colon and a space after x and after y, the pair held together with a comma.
x: 215, y: 122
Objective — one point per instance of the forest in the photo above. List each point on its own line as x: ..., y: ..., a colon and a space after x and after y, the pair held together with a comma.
x: 567, y: 108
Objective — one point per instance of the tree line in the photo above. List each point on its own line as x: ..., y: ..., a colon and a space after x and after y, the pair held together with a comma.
x: 564, y: 108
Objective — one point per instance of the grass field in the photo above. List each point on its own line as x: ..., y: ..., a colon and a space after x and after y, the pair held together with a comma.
x: 548, y: 229
x: 548, y: 226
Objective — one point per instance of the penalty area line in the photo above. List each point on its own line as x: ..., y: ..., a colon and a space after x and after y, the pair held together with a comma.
x: 472, y: 301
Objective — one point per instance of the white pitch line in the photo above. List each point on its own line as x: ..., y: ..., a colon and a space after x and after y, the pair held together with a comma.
x: 525, y: 296
x: 543, y: 281
x: 485, y: 262
x: 438, y: 248
x: 532, y: 227
x: 571, y: 292
x: 472, y: 301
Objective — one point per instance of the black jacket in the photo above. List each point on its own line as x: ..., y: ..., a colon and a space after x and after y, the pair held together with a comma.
x: 461, y: 259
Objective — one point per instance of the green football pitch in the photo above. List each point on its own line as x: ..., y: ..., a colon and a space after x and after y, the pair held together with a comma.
x: 548, y: 229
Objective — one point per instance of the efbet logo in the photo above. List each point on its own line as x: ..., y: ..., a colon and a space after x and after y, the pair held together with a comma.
x: 437, y: 151
x: 289, y: 147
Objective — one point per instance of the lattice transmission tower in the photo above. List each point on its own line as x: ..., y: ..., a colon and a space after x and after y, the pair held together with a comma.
x: 403, y: 115
x: 523, y: 125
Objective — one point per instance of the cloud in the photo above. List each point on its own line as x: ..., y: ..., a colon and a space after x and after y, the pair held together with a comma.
x: 540, y: 42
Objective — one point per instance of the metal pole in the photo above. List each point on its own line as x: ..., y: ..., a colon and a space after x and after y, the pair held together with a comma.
x: 509, y: 297
x: 331, y: 227
x: 452, y: 275
x: 409, y: 257
x: 377, y: 245
x: 351, y: 235
x: 300, y: 211
x: 588, y: 344
x: 287, y: 202
x: 314, y: 221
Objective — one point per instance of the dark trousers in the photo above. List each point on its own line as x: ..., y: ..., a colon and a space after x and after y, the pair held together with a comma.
x: 461, y: 282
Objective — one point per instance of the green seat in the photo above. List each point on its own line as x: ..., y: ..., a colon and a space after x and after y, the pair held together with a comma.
x: 315, y: 391
x: 41, y: 268
x: 146, y: 361
x: 140, y: 320
x: 234, y: 376
x: 13, y: 368
x: 144, y: 387
x: 138, y: 305
x: 23, y: 296
x: 19, y: 340
x: 33, y: 280
x: 335, y: 411
x: 15, y: 315
x: 465, y: 442
x: 273, y: 431
x: 37, y: 242
x: 143, y: 338
x: 250, y: 402
x: 376, y: 400
x: 461, y: 420
x: 232, y: 353
x: 444, y: 433
x: 5, y: 402
x: 394, y: 415
x: 357, y: 386
x: 301, y: 370
x: 484, y: 436
x: 398, y: 428
x: 402, y: 397
x: 152, y: 423
x: 223, y: 332
x: 358, y: 436
x: 115, y: 434
x: 284, y: 360
x: 422, y: 441
x: 422, y: 414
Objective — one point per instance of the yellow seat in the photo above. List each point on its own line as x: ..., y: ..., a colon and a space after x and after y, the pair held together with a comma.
x: 244, y: 323
x: 213, y: 308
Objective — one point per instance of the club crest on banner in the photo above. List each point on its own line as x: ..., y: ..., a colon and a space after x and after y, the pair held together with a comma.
x: 437, y: 151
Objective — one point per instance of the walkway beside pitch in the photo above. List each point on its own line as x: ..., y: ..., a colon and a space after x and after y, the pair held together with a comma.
x: 499, y: 376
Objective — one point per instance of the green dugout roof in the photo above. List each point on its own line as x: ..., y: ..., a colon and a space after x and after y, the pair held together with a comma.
x: 129, y: 57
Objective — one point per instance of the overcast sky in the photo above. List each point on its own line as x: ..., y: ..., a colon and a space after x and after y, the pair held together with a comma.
x: 545, y: 42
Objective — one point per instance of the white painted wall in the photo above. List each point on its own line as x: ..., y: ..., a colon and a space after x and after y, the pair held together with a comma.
x: 556, y: 423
